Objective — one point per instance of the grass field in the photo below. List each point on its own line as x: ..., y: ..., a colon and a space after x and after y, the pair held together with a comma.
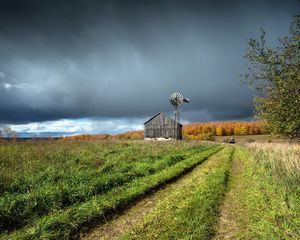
x: 55, y: 190
x: 195, y: 212
x: 263, y: 195
x: 48, y: 189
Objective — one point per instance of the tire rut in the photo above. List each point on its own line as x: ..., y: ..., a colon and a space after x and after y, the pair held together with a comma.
x: 131, y: 217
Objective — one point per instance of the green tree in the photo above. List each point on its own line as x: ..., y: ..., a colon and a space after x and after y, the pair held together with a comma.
x: 274, y: 73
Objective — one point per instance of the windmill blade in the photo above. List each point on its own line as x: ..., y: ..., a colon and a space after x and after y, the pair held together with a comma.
x: 176, y: 99
x: 186, y: 100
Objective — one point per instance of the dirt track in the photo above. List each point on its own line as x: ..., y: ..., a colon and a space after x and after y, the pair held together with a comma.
x: 136, y: 214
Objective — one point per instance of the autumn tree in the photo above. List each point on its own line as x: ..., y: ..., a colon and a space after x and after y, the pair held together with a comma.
x: 275, y: 74
x: 220, y: 131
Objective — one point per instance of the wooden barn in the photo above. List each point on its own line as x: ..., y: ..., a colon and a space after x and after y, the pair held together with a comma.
x: 161, y: 126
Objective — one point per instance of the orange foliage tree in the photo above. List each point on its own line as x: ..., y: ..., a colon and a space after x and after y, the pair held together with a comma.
x: 133, y: 135
x: 196, y: 130
x: 193, y: 131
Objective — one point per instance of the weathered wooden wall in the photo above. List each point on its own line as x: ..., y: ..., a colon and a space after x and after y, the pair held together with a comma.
x: 162, y: 126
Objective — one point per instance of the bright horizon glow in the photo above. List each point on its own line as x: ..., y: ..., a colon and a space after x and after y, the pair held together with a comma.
x: 69, y: 127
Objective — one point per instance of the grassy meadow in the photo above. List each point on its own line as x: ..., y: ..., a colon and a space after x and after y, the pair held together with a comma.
x: 60, y: 189
x: 246, y: 193
x: 264, y: 196
x: 50, y: 188
x: 194, y: 214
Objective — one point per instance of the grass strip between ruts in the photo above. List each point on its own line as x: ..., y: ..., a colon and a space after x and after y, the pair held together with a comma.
x: 63, y: 224
x: 198, y: 220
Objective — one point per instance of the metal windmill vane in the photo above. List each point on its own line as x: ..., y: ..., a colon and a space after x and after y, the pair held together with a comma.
x: 176, y: 99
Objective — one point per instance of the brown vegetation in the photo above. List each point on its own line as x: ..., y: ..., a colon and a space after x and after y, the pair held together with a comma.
x: 193, y: 131
x: 133, y: 135
x: 283, y: 160
x: 209, y: 129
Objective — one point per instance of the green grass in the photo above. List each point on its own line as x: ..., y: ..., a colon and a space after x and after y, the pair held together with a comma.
x: 264, y: 208
x: 193, y: 214
x: 49, y: 190
x: 60, y: 186
x: 76, y: 187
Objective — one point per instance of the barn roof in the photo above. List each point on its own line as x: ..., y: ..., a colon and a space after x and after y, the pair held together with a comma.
x: 153, y: 117
x: 160, y: 114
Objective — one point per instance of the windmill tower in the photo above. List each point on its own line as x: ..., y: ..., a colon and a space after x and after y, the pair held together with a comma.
x: 176, y: 99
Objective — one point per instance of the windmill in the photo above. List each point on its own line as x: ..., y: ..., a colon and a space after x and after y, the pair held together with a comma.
x: 176, y: 99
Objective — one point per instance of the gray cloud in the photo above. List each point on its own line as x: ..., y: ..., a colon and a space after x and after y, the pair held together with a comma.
x: 74, y: 59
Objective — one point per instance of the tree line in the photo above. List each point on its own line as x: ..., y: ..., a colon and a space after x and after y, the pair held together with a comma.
x: 206, y: 130
x: 193, y: 131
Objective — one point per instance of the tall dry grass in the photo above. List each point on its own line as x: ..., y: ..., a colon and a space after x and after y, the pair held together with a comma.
x: 283, y: 159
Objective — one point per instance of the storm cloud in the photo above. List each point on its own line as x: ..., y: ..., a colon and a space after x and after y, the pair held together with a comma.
x: 122, y: 59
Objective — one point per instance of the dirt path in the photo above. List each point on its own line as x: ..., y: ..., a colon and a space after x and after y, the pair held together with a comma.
x: 135, y: 215
x: 228, y: 225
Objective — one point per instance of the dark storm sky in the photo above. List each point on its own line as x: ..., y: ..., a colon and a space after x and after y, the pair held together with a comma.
x: 122, y: 59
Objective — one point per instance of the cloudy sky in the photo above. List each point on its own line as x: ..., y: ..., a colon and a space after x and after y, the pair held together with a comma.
x: 70, y: 66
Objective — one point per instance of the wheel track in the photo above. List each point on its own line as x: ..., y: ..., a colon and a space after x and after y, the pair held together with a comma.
x: 133, y: 216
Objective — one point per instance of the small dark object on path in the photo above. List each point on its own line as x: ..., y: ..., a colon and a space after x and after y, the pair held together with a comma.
x: 231, y: 140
